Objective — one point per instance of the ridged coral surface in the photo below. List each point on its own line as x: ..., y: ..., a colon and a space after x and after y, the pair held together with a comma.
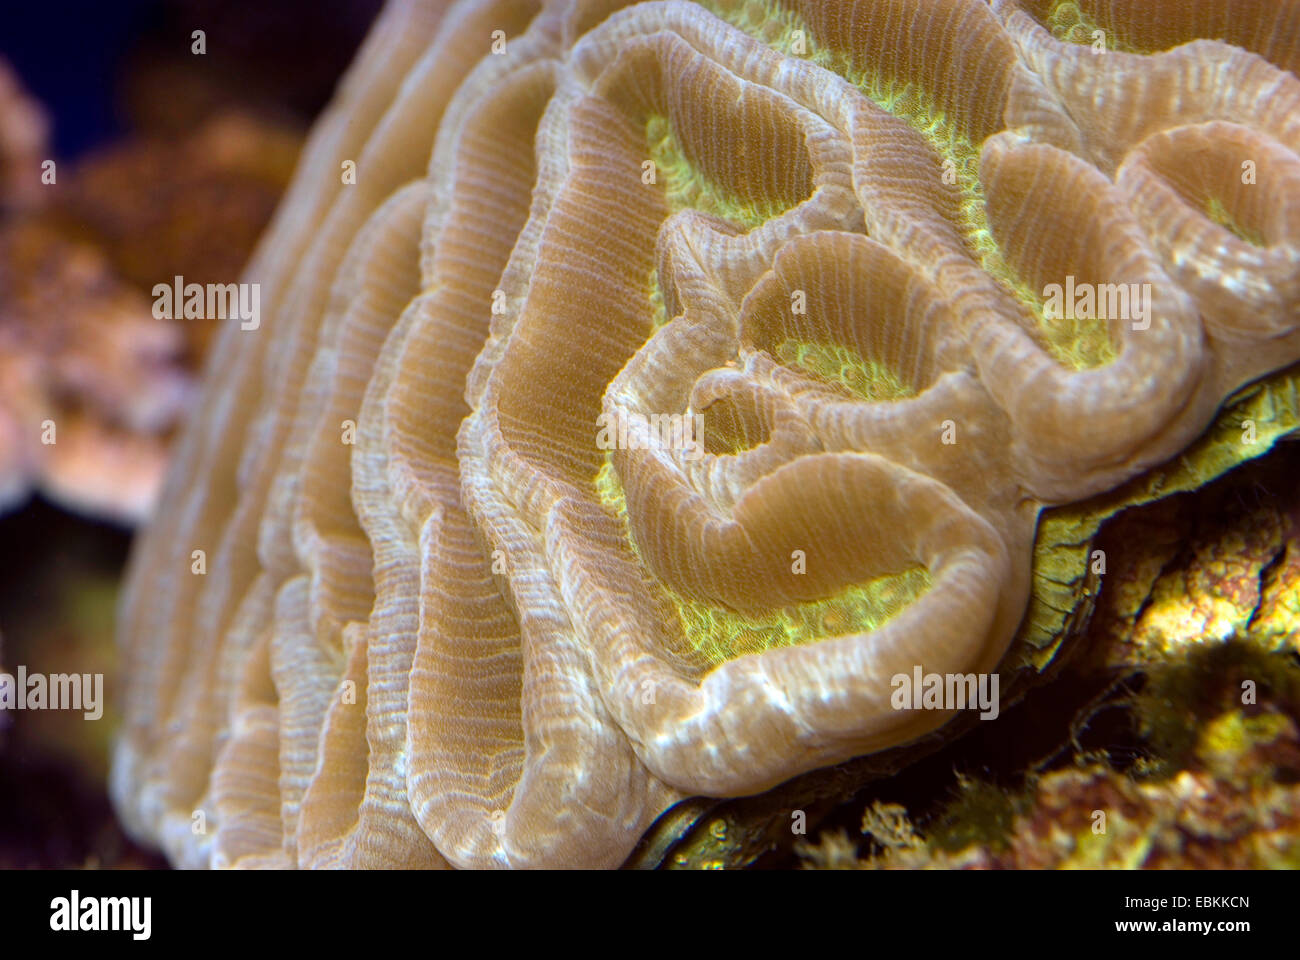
x: 814, y: 237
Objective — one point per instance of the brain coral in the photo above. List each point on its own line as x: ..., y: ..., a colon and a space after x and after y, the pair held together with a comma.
x: 668, y: 377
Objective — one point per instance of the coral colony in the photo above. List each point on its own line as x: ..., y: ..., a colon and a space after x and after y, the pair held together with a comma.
x: 869, y: 283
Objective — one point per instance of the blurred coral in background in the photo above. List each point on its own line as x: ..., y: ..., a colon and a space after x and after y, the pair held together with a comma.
x: 23, y: 132
x: 125, y: 160
x: 80, y: 347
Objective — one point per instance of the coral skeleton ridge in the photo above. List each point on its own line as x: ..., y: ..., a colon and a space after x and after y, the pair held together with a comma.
x: 399, y: 606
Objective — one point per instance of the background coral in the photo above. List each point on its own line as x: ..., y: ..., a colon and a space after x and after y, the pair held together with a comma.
x: 177, y: 181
